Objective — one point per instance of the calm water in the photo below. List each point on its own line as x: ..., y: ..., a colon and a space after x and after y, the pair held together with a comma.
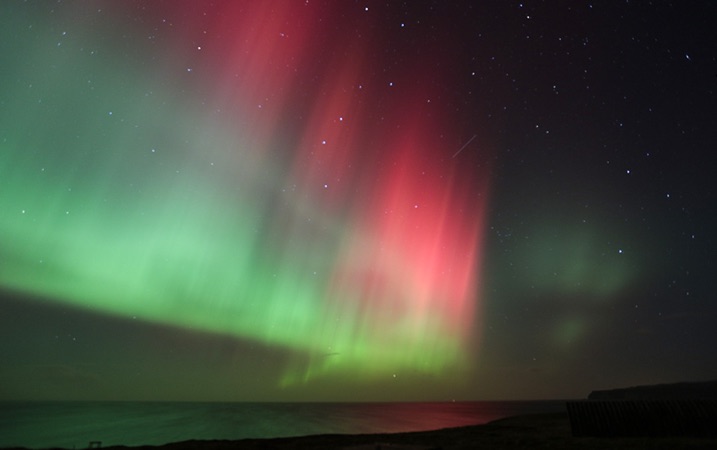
x: 75, y: 424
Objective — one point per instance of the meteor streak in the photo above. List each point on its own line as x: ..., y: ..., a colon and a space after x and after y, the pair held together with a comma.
x: 464, y: 146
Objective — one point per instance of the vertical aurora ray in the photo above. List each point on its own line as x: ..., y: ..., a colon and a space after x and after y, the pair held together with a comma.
x: 251, y: 175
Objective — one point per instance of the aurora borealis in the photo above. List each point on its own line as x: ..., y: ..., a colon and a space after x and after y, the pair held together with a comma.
x: 340, y: 200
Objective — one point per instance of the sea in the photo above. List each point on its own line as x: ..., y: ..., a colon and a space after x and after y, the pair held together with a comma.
x: 75, y: 425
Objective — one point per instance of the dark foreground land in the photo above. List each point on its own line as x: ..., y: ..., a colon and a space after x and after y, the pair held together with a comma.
x: 524, y: 432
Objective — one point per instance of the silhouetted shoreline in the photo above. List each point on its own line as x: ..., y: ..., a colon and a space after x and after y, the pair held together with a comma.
x: 530, y: 431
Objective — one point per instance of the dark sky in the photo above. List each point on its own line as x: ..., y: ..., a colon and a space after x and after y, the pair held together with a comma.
x: 317, y: 200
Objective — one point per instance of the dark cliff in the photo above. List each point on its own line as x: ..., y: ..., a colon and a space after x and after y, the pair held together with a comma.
x: 694, y: 390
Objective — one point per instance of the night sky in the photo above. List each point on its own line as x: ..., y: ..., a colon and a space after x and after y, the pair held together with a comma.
x: 320, y: 200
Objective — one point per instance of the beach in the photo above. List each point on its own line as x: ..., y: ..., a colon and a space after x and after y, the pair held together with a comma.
x: 520, y: 432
